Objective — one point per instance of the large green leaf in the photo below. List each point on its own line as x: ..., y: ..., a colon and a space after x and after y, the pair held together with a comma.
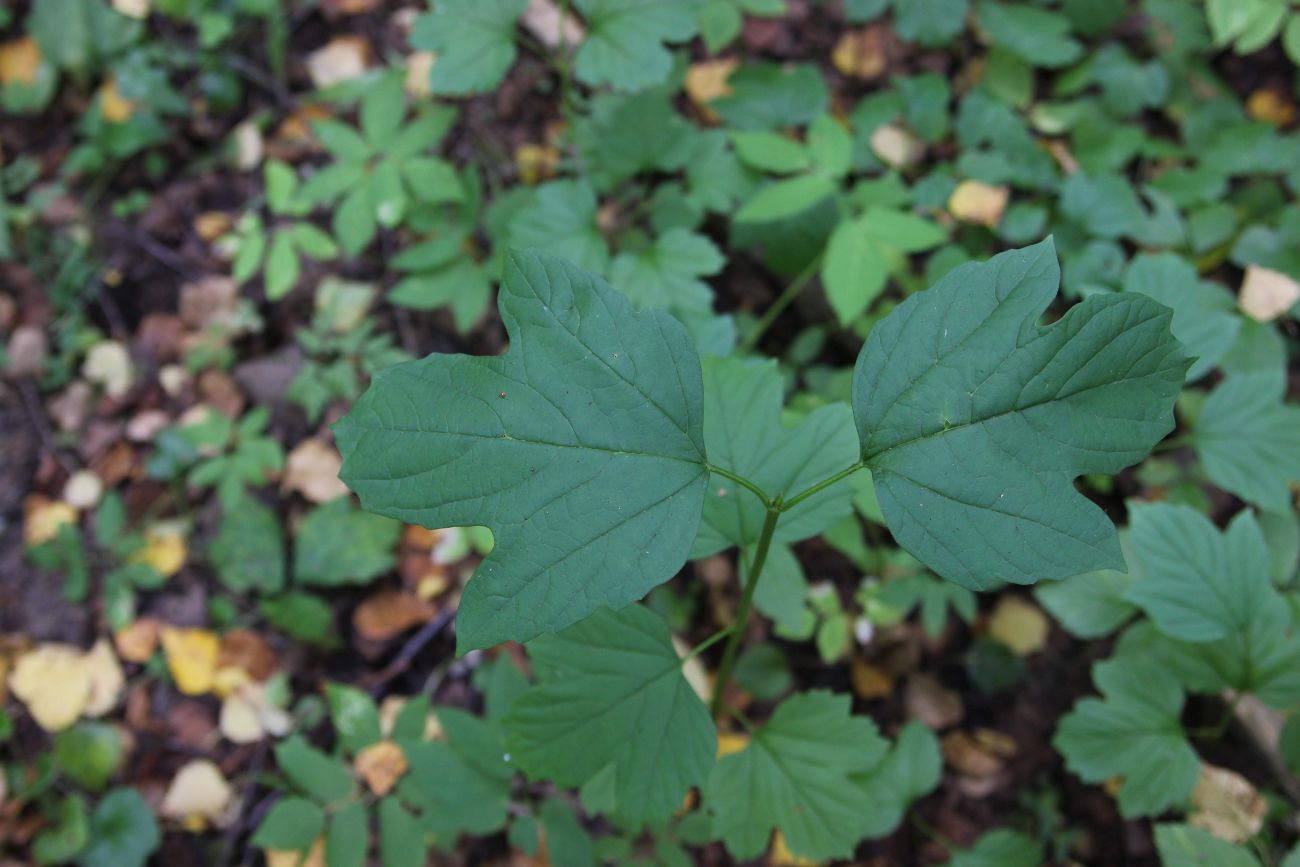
x: 582, y: 449
x: 744, y: 433
x: 796, y: 775
x: 974, y: 419
x: 1198, y: 584
x: 474, y: 40
x: 560, y: 218
x: 624, y: 44
x: 1133, y: 733
x: 612, y: 693
x: 1247, y: 439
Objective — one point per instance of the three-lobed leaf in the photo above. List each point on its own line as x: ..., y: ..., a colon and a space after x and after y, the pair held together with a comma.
x: 974, y: 419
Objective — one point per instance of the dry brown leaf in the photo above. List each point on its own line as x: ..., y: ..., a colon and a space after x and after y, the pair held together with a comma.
x: 1019, y: 624
x: 931, y: 703
x: 389, y: 613
x: 341, y: 59
x: 198, y: 796
x: 106, y: 679
x: 978, y: 753
x: 381, y: 765
x: 136, y: 642
x: 20, y: 61
x: 42, y: 518
x: 191, y: 658
x: 1227, y: 805
x: 1267, y: 294
x: 247, y: 651
x: 312, y: 469
x: 54, y: 681
x: 979, y: 203
x: 861, y: 53
x: 869, y: 681
x: 1272, y: 105
x: 28, y: 348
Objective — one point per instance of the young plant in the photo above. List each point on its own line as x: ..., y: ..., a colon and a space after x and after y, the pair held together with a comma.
x: 596, y: 452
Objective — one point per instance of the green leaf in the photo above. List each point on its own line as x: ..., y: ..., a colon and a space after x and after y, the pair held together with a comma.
x: 464, y: 780
x: 744, y: 432
x: 123, y: 832
x: 771, y: 152
x: 462, y: 286
x: 1134, y: 733
x: 401, y: 839
x: 248, y: 550
x: 282, y: 269
x: 1198, y: 584
x: 301, y: 615
x: 322, y: 778
x: 1000, y: 848
x: 89, y: 753
x: 624, y: 44
x: 1205, y: 314
x: 347, y: 837
x: 830, y: 146
x: 382, y: 110
x: 355, y: 716
x: 355, y: 222
x: 1036, y: 36
x: 433, y: 180
x: 974, y: 420
x: 611, y: 693
x: 340, y: 544
x: 65, y: 836
x: 292, y: 824
x: 863, y: 252
x: 910, y: 770
x: 621, y: 136
x: 785, y: 199
x: 281, y: 183
x: 767, y: 96
x: 474, y: 40
x: 1094, y: 604
x: 584, y: 446
x: 929, y: 22
x: 666, y: 275
x: 1187, y: 846
x: 560, y: 219
x: 796, y: 776
x: 1246, y: 438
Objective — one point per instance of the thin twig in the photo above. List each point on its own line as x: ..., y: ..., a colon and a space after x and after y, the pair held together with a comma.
x: 410, y: 650
x: 36, y: 414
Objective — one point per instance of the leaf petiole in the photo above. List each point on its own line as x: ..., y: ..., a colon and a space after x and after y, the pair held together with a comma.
x: 742, y: 613
x: 743, y: 482
x: 798, y: 498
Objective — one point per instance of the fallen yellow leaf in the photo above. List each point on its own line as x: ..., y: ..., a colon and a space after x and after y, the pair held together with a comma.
x: 191, y: 658
x: 861, y: 53
x: 535, y: 163
x: 137, y: 641
x: 315, y: 856
x: 42, y: 518
x: 341, y: 59
x: 870, y: 681
x: 20, y: 61
x: 164, y: 549
x: 1272, y: 105
x: 198, y: 795
x: 708, y: 80
x: 979, y: 203
x: 1267, y: 294
x: 106, y: 678
x: 730, y: 742
x: 54, y: 681
x: 1227, y: 805
x: 312, y: 469
x: 1019, y: 624
x: 783, y: 857
x: 381, y: 765
x: 133, y: 8
x: 418, y: 67
x: 112, y: 105
x: 896, y: 146
x: 247, y: 716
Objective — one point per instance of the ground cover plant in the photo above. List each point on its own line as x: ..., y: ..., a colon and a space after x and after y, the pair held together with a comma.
x: 603, y: 432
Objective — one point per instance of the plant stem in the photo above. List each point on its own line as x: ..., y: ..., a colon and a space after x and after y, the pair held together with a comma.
x: 742, y: 613
x: 820, y: 486
x: 784, y: 300
x: 1175, y: 443
x: 707, y: 643
x: 744, y: 482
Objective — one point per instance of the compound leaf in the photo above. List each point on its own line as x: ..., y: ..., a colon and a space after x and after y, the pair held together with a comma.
x: 743, y: 431
x: 1134, y: 733
x: 1246, y: 438
x: 1000, y: 848
x: 624, y: 45
x: 475, y: 41
x: 974, y: 420
x: 611, y: 692
x: 582, y: 449
x: 463, y: 780
x: 796, y: 775
x: 1188, y: 846
x: 910, y: 770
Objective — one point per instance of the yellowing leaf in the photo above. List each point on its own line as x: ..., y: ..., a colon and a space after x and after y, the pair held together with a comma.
x: 1227, y: 805
x: 198, y: 795
x: 43, y: 517
x: 20, y: 61
x: 106, y: 678
x: 54, y: 681
x: 1271, y: 105
x: 164, y: 549
x: 112, y: 105
x: 191, y: 658
x: 707, y: 81
x: 315, y: 856
x: 535, y: 163
x: 1267, y: 294
x: 979, y: 203
x: 1020, y: 625
x: 381, y: 765
x: 861, y: 53
x: 783, y: 857
x: 137, y: 641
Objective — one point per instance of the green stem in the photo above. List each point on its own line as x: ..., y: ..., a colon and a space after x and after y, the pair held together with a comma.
x: 1175, y: 443
x: 784, y: 300
x: 742, y: 613
x: 743, y: 482
x: 820, y: 486
x: 707, y: 643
